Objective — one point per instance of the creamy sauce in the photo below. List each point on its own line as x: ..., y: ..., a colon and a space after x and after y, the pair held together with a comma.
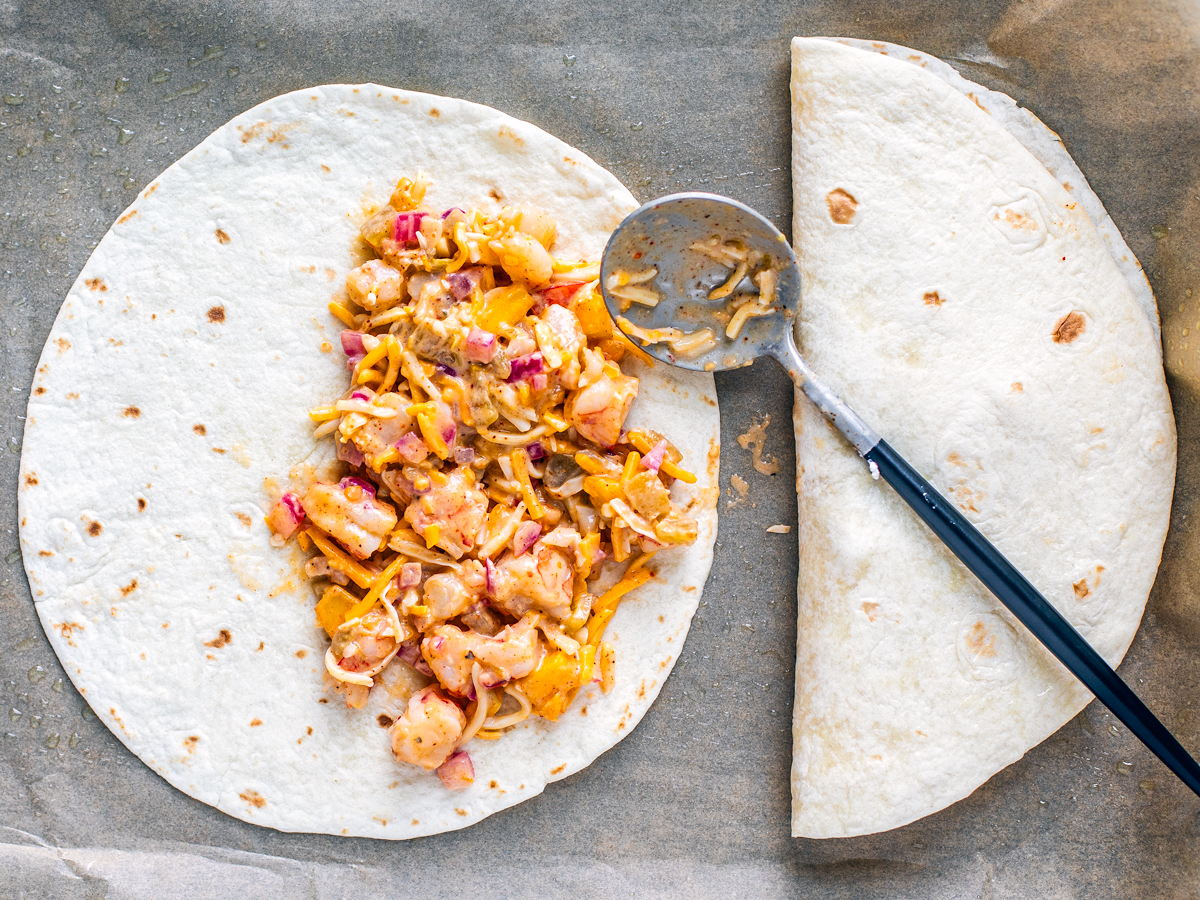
x: 753, y: 440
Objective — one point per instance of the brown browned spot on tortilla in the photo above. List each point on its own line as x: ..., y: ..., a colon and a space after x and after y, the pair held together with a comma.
x: 955, y: 460
x: 129, y: 589
x: 558, y: 769
x: 216, y: 314
x: 933, y: 298
x: 583, y: 711
x: 141, y: 504
x: 94, y: 529
x: 1081, y: 589
x: 507, y: 132
x: 309, y: 269
x: 74, y: 395
x: 31, y: 479
x: 222, y: 236
x: 39, y: 390
x: 435, y: 112
x: 870, y: 609
x: 189, y: 743
x: 259, y: 647
x: 1018, y: 221
x: 223, y: 637
x: 661, y: 619
x: 1069, y: 327
x: 218, y: 449
x: 975, y: 100
x: 125, y: 218
x: 384, y: 720
x: 330, y: 274
x: 493, y: 784
x: 842, y: 206
x: 495, y: 194
x: 461, y: 812
x: 1018, y: 388
x: 200, y: 429
x: 255, y: 722
x: 244, y: 519
x: 95, y: 284
x: 63, y: 344
x: 301, y: 653
x: 415, y: 821
x: 45, y: 553
x: 980, y: 641
x: 113, y: 712
x: 325, y: 168
x: 690, y: 589
x: 67, y: 629
x: 254, y: 798
x: 131, y: 412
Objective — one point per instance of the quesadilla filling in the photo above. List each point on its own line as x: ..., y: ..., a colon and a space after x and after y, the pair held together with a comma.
x: 490, y: 475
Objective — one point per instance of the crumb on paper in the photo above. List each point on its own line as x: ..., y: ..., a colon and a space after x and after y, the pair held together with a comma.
x: 738, y: 485
x: 874, y: 469
x: 780, y: 529
x: 753, y: 440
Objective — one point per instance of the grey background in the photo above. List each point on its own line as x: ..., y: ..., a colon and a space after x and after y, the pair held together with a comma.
x: 99, y: 97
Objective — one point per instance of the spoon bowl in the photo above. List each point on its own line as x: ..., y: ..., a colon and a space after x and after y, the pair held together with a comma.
x: 662, y: 235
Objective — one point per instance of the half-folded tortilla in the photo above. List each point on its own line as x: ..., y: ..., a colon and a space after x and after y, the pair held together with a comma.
x: 958, y: 296
x: 174, y: 388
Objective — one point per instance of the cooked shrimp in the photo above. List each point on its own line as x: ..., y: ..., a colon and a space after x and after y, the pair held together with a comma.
x: 360, y: 645
x: 379, y: 434
x: 539, y: 579
x: 451, y: 652
x: 428, y: 731
x: 375, y: 285
x: 598, y: 411
x: 447, y: 596
x: 361, y: 522
x: 457, y: 508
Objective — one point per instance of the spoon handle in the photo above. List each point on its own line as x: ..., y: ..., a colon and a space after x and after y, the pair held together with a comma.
x: 1034, y: 611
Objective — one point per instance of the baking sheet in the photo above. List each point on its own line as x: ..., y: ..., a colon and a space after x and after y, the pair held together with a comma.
x: 100, y: 97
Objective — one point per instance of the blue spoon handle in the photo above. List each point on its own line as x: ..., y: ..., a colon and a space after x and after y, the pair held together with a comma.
x: 1034, y: 611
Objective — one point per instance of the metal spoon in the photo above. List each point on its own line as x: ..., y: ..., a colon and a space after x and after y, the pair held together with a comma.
x: 659, y: 238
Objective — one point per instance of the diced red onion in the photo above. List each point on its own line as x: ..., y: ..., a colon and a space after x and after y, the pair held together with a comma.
x: 540, y: 381
x: 449, y: 432
x: 348, y: 452
x: 354, y: 359
x: 536, y: 451
x: 490, y: 569
x: 350, y: 479
x: 410, y: 654
x: 654, y: 459
x: 286, y: 516
x: 406, y: 227
x: 526, y: 536
x: 464, y: 455
x: 445, y: 370
x: 352, y: 343
x: 525, y: 366
x: 360, y: 395
x: 463, y: 282
x: 410, y: 575
x: 491, y: 679
x: 412, y: 448
x: 480, y: 345
x: 452, y: 209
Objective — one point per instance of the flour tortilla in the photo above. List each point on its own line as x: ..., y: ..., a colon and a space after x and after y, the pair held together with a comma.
x: 934, y: 313
x: 173, y: 393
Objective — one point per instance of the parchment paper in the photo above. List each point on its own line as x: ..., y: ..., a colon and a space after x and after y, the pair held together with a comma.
x: 100, y: 97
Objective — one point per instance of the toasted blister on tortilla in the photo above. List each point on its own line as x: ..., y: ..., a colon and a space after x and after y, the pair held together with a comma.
x: 963, y: 300
x: 173, y: 392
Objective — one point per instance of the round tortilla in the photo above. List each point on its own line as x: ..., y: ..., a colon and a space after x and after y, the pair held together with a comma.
x: 972, y: 312
x: 171, y: 399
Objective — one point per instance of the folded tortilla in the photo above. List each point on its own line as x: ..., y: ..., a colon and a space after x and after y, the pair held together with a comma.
x: 172, y: 397
x: 959, y: 296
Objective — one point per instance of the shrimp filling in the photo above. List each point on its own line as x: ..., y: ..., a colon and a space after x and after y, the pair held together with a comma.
x: 486, y: 475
